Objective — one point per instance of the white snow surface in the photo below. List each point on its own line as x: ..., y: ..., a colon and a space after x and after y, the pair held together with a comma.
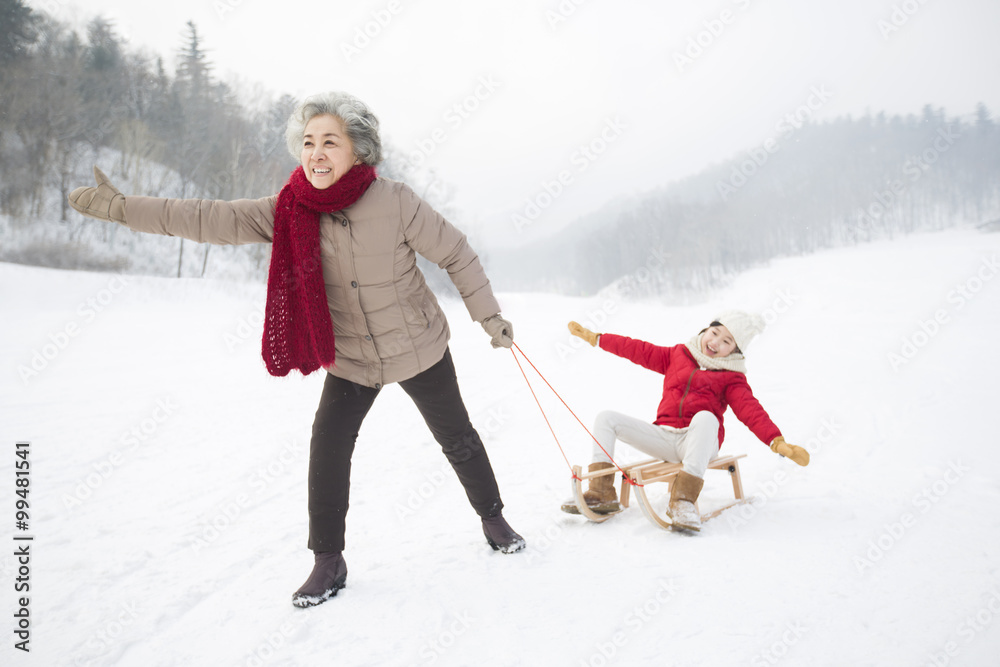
x: 168, y: 495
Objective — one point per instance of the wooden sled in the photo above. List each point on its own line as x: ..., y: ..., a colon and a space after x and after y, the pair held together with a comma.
x: 648, y: 472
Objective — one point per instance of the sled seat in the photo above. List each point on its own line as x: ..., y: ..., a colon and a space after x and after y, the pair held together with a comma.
x: 650, y: 472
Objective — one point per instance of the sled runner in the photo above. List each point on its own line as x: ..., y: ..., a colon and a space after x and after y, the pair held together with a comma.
x: 648, y: 472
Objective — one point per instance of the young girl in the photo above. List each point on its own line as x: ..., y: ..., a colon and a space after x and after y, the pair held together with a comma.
x: 701, y: 378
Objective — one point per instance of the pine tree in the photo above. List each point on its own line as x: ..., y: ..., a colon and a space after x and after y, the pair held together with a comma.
x: 17, y: 31
x: 192, y: 88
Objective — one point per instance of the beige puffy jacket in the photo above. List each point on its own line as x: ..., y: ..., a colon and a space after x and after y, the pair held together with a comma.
x: 387, y: 323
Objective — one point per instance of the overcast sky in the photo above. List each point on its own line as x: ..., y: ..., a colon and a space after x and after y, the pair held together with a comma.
x: 657, y: 90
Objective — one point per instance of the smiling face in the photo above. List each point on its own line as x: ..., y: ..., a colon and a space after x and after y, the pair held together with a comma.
x: 717, y: 342
x: 327, y: 152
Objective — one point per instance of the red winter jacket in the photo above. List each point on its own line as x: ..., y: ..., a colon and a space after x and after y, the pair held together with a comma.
x: 687, y: 389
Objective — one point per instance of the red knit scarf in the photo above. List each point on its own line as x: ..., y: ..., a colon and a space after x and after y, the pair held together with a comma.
x: 298, y: 332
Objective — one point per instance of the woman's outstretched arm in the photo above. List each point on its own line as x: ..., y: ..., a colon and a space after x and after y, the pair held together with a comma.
x: 206, y: 221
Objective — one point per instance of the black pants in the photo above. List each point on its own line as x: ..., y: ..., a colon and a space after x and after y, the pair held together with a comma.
x: 343, y: 407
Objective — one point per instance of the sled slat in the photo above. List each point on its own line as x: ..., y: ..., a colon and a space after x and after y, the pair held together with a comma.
x: 650, y: 472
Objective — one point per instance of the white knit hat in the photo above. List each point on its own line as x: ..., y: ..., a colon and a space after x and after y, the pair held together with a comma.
x: 743, y: 326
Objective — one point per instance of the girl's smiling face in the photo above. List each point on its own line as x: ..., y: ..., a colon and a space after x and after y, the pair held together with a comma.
x: 327, y: 151
x: 717, y: 342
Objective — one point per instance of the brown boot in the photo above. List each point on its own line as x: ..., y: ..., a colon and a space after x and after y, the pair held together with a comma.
x: 329, y: 575
x: 684, y: 492
x: 600, y: 495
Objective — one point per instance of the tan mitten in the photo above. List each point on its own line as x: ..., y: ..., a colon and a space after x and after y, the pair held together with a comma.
x: 794, y: 452
x: 583, y: 333
x: 103, y: 202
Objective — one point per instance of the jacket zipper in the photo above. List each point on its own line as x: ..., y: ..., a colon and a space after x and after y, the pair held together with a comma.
x: 680, y: 409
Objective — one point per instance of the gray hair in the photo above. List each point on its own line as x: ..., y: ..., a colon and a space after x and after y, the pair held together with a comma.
x: 360, y: 124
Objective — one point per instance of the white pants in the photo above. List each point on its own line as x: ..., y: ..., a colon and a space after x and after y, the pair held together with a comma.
x: 695, y: 445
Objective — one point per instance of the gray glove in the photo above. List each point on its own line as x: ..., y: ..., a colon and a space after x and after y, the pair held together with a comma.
x: 501, y: 331
x: 103, y: 202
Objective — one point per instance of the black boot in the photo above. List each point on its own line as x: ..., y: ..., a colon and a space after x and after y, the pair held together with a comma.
x: 328, y: 576
x: 501, y: 536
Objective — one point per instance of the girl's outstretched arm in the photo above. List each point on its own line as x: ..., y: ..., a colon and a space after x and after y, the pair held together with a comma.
x: 647, y: 355
x: 749, y: 411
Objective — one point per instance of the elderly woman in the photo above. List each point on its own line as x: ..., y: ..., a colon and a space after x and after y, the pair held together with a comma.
x: 344, y: 294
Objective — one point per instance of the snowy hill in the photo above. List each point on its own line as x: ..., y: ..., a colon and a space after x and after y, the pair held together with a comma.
x: 168, y: 503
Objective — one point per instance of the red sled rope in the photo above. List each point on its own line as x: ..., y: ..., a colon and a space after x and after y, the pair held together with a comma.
x: 554, y: 436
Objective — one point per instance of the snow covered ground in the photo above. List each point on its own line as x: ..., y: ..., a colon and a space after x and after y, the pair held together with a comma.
x: 168, y: 498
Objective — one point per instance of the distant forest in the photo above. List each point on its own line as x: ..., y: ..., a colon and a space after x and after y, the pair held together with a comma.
x: 66, y: 96
x: 814, y: 186
x: 70, y: 101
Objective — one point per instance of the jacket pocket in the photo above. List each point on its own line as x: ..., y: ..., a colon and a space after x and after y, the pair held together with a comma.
x: 419, y: 312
